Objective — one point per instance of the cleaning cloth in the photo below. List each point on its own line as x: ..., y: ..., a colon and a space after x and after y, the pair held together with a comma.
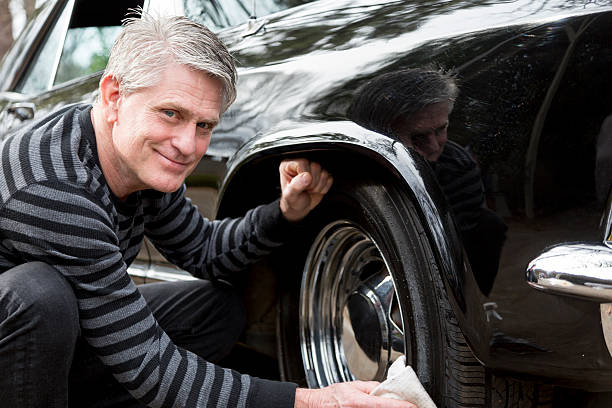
x: 403, y: 384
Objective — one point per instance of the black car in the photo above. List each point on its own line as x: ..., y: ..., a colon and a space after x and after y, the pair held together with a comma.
x: 382, y: 268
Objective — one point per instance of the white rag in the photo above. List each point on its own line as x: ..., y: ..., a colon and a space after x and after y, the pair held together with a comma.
x: 403, y: 384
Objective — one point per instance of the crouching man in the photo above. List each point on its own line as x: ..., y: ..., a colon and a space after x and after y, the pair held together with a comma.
x: 80, y: 190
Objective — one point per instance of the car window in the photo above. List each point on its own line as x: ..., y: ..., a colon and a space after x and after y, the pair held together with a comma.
x: 27, y: 24
x: 38, y: 76
x: 85, y: 50
x: 219, y: 14
x: 77, y: 44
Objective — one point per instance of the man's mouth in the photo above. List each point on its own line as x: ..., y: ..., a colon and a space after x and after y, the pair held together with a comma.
x: 174, y: 162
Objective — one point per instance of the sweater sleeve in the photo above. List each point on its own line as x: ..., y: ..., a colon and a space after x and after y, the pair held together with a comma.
x: 58, y: 224
x: 215, y: 249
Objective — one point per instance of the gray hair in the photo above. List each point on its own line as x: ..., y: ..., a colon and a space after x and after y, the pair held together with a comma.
x: 147, y: 44
x: 380, y: 102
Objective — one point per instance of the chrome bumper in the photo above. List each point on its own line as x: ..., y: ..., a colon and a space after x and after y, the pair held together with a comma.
x: 580, y: 269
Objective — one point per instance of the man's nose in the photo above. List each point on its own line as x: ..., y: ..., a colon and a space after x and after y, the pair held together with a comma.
x: 184, y: 139
x: 435, y: 141
x: 441, y: 137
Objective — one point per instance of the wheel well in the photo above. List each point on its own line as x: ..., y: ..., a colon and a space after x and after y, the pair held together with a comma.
x: 257, y: 181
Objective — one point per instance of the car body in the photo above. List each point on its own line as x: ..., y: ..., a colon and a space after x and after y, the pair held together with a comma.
x: 535, y: 91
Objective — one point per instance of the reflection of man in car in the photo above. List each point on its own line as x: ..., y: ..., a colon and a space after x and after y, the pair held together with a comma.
x: 603, y: 160
x: 413, y: 106
x: 82, y: 187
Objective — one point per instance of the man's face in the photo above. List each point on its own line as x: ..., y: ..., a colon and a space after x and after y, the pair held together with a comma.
x: 425, y: 131
x: 162, y: 132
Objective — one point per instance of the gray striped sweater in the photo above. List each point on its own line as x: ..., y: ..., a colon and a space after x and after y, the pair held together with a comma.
x: 57, y: 208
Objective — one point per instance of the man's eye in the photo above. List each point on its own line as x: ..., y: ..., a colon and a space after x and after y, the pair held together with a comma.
x: 419, y: 138
x: 204, y: 125
x: 169, y: 113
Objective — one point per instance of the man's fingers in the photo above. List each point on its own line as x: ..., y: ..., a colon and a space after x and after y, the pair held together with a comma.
x: 330, y: 182
x: 315, y: 172
x: 301, y: 182
x: 294, y: 167
x: 309, y: 176
x: 365, y: 386
x: 295, y: 189
x: 363, y: 399
x: 323, y: 184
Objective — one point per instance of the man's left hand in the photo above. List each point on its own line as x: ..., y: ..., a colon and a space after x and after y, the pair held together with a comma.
x: 303, y: 185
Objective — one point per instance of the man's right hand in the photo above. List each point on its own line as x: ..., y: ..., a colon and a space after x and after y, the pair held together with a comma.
x: 354, y: 394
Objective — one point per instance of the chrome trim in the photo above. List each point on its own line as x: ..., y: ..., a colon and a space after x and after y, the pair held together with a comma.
x: 578, y: 269
x: 60, y: 48
x: 253, y: 26
x: 23, y: 110
x: 158, y: 272
x: 606, y: 324
x: 138, y: 268
x: 350, y: 321
x: 12, y: 96
x: 606, y: 222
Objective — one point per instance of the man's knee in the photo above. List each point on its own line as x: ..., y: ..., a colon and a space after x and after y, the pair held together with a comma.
x: 34, y: 296
x: 204, y: 318
x: 195, y: 301
x: 38, y: 330
x: 225, y: 307
x: 222, y: 320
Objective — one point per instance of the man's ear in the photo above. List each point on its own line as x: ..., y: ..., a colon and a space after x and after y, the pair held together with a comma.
x: 109, y: 98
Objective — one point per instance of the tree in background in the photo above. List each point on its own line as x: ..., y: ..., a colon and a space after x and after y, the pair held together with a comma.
x: 14, y: 12
x: 6, y: 30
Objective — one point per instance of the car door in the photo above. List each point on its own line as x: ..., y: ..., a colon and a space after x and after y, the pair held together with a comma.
x: 58, y: 58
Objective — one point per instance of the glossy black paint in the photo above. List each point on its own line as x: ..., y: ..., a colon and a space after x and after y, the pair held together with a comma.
x: 533, y: 95
x: 337, y: 143
x: 535, y: 89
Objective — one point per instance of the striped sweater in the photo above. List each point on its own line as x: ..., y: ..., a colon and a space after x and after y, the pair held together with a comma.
x: 57, y: 208
x: 461, y: 181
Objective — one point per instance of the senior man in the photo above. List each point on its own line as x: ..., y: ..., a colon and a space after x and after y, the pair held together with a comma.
x: 82, y: 187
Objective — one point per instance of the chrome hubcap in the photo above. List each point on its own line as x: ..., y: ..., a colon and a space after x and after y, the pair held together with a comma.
x: 350, y: 321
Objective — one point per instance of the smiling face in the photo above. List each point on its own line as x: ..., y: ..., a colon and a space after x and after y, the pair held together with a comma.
x: 425, y: 130
x: 158, y: 134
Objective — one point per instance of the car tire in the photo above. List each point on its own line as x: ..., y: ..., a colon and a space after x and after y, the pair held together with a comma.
x: 363, y: 249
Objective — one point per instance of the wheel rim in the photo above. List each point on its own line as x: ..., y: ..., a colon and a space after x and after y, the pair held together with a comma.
x: 351, y: 325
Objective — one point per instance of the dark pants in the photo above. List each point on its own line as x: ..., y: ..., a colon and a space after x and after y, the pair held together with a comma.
x: 45, y: 363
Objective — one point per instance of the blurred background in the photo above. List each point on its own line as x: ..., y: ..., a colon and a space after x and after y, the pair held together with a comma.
x: 13, y: 15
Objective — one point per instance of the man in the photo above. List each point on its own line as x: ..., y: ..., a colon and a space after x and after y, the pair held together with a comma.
x: 603, y: 161
x: 82, y: 187
x: 413, y: 106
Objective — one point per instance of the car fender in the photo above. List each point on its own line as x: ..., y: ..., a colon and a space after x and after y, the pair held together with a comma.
x: 392, y: 159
